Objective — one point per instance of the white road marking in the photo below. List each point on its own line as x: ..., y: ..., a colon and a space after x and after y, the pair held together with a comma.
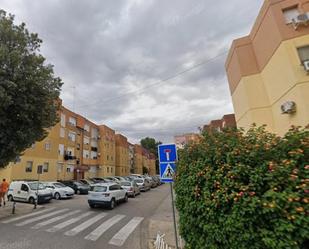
x: 52, y: 220
x: 26, y: 216
x: 68, y: 222
x: 120, y: 237
x: 95, y: 234
x: 85, y: 225
x: 41, y: 217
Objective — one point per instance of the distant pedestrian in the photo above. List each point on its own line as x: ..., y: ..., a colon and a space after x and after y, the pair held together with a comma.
x: 4, y: 187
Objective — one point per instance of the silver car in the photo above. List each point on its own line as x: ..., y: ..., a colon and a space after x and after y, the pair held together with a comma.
x: 143, y: 184
x: 131, y: 187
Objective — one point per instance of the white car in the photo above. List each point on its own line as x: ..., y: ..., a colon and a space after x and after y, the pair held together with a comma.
x: 106, y: 194
x: 59, y: 190
x: 29, y: 192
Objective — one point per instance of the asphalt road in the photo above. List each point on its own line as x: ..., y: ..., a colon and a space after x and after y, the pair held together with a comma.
x: 71, y: 224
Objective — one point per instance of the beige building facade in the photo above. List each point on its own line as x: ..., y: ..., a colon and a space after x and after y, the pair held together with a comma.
x: 268, y: 69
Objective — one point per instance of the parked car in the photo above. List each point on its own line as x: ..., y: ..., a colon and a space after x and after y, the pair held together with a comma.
x: 59, y: 190
x: 131, y: 187
x: 97, y: 179
x: 120, y: 178
x: 153, y: 184
x: 79, y: 188
x: 111, y: 178
x: 29, y: 192
x: 136, y: 175
x: 143, y: 184
x: 106, y: 194
x: 86, y: 181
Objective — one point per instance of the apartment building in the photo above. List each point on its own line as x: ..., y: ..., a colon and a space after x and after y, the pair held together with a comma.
x: 138, y: 159
x: 77, y: 148
x: 108, y: 151
x: 152, y: 164
x: 122, y: 155
x: 227, y: 121
x: 182, y: 140
x: 268, y: 69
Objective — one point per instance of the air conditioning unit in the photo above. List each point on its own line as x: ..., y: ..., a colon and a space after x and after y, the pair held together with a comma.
x: 288, y: 107
x: 301, y: 19
x: 306, y: 65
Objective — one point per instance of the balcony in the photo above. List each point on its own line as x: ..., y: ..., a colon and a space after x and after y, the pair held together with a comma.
x: 69, y: 157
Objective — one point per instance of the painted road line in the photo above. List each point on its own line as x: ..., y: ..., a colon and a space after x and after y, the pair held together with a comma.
x: 95, y: 234
x: 68, y: 222
x: 41, y: 217
x: 27, y: 215
x: 85, y: 225
x: 53, y: 220
x: 124, y: 233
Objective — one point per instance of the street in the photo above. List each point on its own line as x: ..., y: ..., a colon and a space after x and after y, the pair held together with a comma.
x: 72, y: 224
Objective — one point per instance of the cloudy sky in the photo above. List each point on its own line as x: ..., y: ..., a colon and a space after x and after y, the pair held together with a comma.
x: 143, y: 67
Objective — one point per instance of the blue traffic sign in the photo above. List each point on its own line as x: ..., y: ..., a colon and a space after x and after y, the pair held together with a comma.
x: 167, y: 153
x: 167, y: 172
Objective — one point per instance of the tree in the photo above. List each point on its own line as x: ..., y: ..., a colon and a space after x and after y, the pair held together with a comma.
x: 152, y: 146
x: 29, y: 91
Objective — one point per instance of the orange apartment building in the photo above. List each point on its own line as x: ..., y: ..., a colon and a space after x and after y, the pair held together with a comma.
x: 227, y: 121
x: 107, y: 154
x: 182, y: 140
x: 138, y: 159
x: 122, y: 156
x: 152, y: 164
x: 268, y: 70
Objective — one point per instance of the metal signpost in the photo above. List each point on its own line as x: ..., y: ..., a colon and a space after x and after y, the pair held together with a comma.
x: 39, y: 171
x: 167, y: 159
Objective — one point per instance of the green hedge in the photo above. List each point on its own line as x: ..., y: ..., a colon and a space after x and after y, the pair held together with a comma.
x: 238, y: 190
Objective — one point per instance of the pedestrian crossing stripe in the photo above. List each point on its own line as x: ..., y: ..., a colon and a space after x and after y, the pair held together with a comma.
x: 168, y: 172
x: 47, y: 218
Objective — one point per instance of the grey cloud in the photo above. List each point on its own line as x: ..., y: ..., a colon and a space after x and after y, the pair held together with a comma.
x: 106, y: 51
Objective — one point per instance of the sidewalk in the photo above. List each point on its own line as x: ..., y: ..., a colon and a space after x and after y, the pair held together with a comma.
x: 162, y: 221
x: 20, y: 208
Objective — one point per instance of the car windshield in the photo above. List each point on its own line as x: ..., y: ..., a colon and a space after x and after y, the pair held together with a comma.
x: 36, y: 186
x: 98, y: 188
x: 139, y: 180
x: 125, y: 183
x: 59, y: 185
x: 79, y: 183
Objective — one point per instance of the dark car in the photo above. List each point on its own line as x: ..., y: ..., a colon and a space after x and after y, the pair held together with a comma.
x: 79, y: 188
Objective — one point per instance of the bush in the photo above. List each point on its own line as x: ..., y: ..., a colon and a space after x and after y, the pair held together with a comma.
x: 244, y: 190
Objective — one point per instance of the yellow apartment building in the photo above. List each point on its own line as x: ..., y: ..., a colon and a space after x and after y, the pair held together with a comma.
x: 268, y: 70
x: 77, y: 148
x: 152, y: 164
x: 122, y: 156
x: 107, y: 156
x: 138, y: 159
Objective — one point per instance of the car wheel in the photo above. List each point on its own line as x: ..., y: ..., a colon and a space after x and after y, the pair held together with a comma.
x: 57, y: 196
x: 92, y: 205
x: 126, y: 198
x: 10, y: 198
x: 134, y: 195
x: 112, y: 204
x: 78, y: 192
x: 31, y: 200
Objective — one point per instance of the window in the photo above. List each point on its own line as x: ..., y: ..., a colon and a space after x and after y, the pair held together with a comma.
x: 86, y: 127
x: 111, y: 170
x: 62, y: 132
x: 45, y: 167
x: 85, y: 153
x: 107, y: 169
x: 107, y: 157
x: 47, y: 145
x: 86, y: 140
x: 112, y: 158
x: 59, y: 167
x: 24, y: 187
x: 290, y: 14
x: 72, y: 121
x: 71, y: 136
x: 93, y: 155
x: 62, y: 122
x: 70, y: 151
x: 29, y: 166
x: 61, y: 149
x: 303, y: 53
x: 68, y: 169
